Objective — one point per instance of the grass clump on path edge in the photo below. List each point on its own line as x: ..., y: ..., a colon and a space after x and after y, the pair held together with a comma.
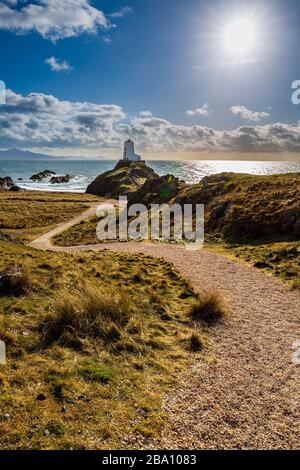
x: 210, y: 308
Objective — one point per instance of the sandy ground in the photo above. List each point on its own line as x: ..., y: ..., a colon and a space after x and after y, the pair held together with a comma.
x: 247, y: 396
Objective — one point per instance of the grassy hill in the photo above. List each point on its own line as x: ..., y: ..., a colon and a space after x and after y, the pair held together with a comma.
x: 241, y: 208
x: 259, y: 214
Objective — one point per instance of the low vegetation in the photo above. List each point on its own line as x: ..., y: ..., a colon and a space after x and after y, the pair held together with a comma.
x: 93, y: 340
x: 209, y: 309
x: 93, y: 343
x: 243, y: 208
x: 81, y: 234
x: 24, y: 215
x: 281, y: 259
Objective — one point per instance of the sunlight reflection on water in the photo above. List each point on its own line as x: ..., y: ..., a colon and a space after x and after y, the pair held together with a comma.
x: 86, y: 170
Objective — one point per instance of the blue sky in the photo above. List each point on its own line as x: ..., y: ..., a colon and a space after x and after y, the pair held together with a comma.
x: 83, y: 75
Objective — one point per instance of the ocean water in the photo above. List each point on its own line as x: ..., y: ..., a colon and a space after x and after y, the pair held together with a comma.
x: 86, y: 170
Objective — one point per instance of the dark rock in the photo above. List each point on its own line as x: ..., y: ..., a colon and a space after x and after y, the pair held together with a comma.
x: 6, y: 183
x: 13, y: 282
x: 5, y: 237
x: 41, y: 397
x: 42, y: 175
x: 261, y: 265
x: 15, y: 188
x: 126, y: 178
x: 61, y: 179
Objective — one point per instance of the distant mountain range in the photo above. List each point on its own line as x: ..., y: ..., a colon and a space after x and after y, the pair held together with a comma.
x: 16, y: 154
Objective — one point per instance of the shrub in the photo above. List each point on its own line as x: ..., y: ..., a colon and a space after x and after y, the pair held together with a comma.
x: 209, y: 309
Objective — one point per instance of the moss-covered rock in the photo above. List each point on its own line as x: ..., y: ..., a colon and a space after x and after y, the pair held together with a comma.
x: 123, y: 180
x: 158, y: 190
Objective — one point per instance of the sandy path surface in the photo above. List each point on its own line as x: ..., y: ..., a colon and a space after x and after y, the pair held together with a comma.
x: 248, y: 395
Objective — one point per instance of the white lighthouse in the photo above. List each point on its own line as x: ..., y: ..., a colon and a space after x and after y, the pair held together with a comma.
x: 129, y: 153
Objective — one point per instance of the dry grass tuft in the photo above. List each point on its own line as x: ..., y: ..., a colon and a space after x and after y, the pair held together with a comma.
x: 196, y: 343
x: 87, y: 312
x: 210, y: 308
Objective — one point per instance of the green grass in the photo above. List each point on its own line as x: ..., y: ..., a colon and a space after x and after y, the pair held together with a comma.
x: 281, y: 259
x: 80, y: 234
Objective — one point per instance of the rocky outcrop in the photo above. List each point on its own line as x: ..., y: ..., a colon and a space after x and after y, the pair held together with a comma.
x: 42, y: 175
x: 157, y: 191
x: 7, y: 184
x: 15, y: 188
x: 125, y: 179
x: 61, y: 179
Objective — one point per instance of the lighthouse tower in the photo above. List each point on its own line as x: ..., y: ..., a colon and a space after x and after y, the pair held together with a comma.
x: 129, y: 153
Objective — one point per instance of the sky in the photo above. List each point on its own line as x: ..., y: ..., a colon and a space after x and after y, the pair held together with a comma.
x: 192, y: 79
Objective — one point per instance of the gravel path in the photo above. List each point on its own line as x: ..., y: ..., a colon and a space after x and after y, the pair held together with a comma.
x: 246, y: 393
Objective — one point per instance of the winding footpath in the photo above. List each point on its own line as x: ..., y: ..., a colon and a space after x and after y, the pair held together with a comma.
x: 245, y: 392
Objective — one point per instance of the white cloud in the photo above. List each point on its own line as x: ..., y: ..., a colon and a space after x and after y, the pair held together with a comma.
x: 203, y: 111
x: 43, y: 121
x: 145, y: 114
x: 53, y: 19
x: 107, y: 39
x: 57, y: 65
x: 122, y: 12
x: 247, y: 114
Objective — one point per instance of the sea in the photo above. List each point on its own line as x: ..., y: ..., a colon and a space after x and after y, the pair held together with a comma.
x: 84, y: 171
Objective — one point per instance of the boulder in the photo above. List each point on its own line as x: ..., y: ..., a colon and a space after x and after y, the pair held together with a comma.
x: 61, y: 179
x: 42, y: 175
x: 13, y: 281
x: 125, y: 179
x: 15, y: 188
x: 6, y: 183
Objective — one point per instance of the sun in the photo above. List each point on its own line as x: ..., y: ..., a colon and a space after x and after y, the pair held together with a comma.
x: 240, y: 37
